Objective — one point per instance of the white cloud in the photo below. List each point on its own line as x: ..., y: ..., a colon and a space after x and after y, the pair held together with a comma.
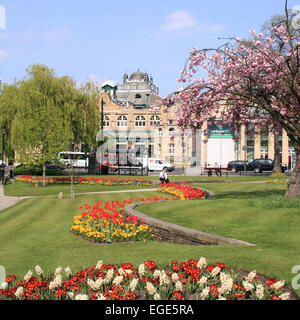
x: 179, y: 20
x: 182, y: 21
x: 3, y: 54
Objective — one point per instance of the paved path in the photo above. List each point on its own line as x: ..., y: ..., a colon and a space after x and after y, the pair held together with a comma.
x: 6, y: 202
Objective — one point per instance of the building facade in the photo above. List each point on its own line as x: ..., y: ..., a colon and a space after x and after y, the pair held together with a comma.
x: 137, y: 132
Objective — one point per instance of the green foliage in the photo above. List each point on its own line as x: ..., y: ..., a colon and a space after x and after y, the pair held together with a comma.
x: 31, y: 170
x: 44, y: 114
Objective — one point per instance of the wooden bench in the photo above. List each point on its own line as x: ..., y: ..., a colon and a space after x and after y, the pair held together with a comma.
x: 211, y: 171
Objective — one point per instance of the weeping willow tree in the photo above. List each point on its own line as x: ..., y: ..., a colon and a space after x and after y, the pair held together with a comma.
x: 41, y: 126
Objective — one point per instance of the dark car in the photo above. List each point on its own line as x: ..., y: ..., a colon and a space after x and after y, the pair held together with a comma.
x: 260, y: 165
x: 238, y: 165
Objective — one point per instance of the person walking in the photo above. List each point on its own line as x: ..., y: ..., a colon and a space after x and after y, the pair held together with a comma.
x: 10, y: 175
x: 2, y: 171
x: 163, y: 177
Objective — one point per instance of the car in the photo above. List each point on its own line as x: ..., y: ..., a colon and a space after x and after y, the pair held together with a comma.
x: 238, y: 165
x: 260, y: 165
x: 155, y: 164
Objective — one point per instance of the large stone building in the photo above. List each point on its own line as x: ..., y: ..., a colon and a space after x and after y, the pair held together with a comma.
x: 138, y: 132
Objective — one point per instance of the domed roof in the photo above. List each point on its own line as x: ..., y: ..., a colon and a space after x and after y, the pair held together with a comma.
x: 138, y: 75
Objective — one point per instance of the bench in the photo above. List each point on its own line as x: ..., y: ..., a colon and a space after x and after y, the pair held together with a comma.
x: 211, y: 170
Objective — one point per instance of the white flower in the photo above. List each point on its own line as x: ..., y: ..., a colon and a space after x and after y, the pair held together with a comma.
x: 150, y: 288
x: 278, y: 285
x: 38, y: 270
x: 226, y: 283
x: 81, y: 297
x: 204, y: 293
x: 221, y: 298
x: 99, y: 265
x: 178, y: 286
x: 260, y: 292
x: 133, y: 284
x: 284, y: 296
x: 58, y: 271
x: 141, y: 269
x: 202, y: 281
x: 100, y: 297
x: 56, y: 283
x: 215, y: 271
x: 68, y: 271
x: 118, y: 280
x: 201, y: 263
x: 3, y: 285
x: 157, y: 296
x: 19, y: 292
x: 175, y: 277
x: 91, y: 284
x: 98, y: 283
x: 248, y: 285
x: 109, y: 275
x: 71, y: 295
x: 156, y: 274
x: 28, y: 275
x: 121, y: 272
x: 163, y: 278
x: 251, y: 276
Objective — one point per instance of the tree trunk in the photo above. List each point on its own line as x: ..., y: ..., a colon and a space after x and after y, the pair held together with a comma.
x: 277, y: 166
x: 44, y: 175
x: 293, y: 189
x: 72, y: 183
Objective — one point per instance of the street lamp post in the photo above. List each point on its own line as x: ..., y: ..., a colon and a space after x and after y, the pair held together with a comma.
x: 3, y: 134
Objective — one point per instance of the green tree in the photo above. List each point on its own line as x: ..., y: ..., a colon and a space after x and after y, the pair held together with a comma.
x: 41, y: 127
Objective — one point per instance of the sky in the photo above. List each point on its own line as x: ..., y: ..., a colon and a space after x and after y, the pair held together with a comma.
x: 101, y: 40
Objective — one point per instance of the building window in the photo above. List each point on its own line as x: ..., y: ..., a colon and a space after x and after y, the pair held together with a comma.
x: 122, y: 121
x: 106, y: 121
x: 172, y: 134
x: 154, y: 120
x: 140, y: 121
x: 170, y: 122
x: 171, y: 148
x: 138, y: 96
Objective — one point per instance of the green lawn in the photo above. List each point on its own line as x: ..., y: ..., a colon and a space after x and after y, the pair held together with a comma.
x: 256, y: 213
x: 36, y: 231
x: 26, y: 189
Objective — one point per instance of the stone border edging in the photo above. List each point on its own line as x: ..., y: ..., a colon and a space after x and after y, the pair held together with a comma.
x: 169, y: 232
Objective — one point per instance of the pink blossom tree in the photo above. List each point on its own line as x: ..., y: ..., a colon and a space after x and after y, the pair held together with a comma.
x: 245, y: 82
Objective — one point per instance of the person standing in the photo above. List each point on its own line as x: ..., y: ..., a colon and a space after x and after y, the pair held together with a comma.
x: 2, y: 171
x: 164, y: 176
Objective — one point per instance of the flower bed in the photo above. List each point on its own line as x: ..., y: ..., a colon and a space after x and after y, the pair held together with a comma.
x: 182, y: 191
x: 278, y: 178
x: 105, y: 222
x: 83, y: 180
x: 191, y: 280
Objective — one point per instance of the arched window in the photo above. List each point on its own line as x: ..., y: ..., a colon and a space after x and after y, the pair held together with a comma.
x: 154, y: 120
x: 172, y: 134
x: 106, y: 121
x: 140, y: 121
x: 122, y: 121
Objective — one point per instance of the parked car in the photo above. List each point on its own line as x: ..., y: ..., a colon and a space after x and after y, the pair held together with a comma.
x: 238, y: 165
x: 260, y: 165
x: 154, y: 164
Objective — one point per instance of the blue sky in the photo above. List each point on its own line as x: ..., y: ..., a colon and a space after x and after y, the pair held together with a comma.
x: 103, y: 39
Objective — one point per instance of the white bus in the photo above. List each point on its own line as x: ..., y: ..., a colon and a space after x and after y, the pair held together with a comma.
x: 77, y: 159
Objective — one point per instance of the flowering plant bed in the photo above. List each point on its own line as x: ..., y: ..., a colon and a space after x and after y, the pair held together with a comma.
x: 280, y: 178
x: 182, y: 191
x: 84, y: 180
x: 105, y: 222
x: 191, y: 280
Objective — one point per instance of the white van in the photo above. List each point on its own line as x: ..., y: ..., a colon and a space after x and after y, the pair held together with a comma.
x: 155, y: 164
x: 77, y: 159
